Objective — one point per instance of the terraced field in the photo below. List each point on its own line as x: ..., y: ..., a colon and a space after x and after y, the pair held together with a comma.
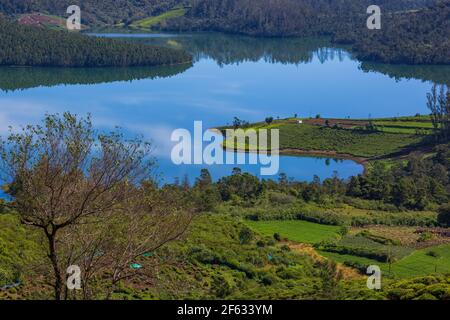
x: 363, y: 249
x: 418, y: 263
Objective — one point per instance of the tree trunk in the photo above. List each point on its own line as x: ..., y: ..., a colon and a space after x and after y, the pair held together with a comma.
x: 58, y: 285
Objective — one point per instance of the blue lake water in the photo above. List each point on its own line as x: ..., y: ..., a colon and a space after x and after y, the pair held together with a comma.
x: 231, y: 76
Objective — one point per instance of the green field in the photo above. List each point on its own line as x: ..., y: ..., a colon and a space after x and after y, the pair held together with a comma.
x: 411, y: 126
x: 296, y: 230
x: 149, y: 22
x: 419, y: 263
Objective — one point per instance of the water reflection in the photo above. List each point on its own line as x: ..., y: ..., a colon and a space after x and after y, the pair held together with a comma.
x: 223, y: 49
x: 439, y: 74
x: 20, y: 78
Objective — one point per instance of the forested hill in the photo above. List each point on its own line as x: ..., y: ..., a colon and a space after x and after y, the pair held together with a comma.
x: 284, y: 17
x: 419, y: 37
x: 94, y: 12
x: 28, y: 46
x: 413, y: 32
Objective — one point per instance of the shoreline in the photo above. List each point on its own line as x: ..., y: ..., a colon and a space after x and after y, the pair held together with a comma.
x: 310, y: 153
x: 300, y: 152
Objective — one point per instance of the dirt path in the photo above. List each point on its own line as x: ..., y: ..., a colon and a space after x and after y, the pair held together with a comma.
x: 301, y: 248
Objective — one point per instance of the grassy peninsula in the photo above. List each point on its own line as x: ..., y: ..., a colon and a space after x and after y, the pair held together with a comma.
x: 358, y: 139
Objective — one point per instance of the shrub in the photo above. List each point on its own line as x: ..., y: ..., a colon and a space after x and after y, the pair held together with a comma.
x: 277, y: 236
x: 444, y: 215
x: 425, y: 236
x: 260, y: 244
x: 222, y: 286
x: 245, y: 235
x: 267, y: 280
x: 343, y: 231
x: 281, y: 198
x: 433, y: 254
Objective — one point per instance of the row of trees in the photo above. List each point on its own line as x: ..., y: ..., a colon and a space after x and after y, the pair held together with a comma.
x: 28, y: 46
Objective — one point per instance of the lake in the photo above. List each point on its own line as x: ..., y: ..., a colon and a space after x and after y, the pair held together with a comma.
x: 231, y: 76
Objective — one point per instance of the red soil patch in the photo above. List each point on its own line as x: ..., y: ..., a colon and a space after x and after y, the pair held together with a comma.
x: 39, y: 20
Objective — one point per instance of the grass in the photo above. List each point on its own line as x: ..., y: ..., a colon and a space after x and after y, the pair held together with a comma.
x: 421, y: 263
x: 149, y: 22
x: 296, y: 230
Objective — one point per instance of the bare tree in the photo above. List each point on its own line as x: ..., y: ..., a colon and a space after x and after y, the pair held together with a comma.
x: 140, y: 226
x: 83, y: 190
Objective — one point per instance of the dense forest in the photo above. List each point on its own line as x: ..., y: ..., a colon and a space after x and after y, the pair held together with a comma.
x: 413, y: 31
x: 420, y: 37
x: 283, y: 17
x: 28, y: 46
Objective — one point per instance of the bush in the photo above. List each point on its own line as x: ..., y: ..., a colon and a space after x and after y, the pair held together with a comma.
x: 444, y: 215
x: 343, y: 231
x: 245, y: 235
x: 267, y: 280
x: 425, y: 236
x: 281, y: 198
x: 433, y: 254
x: 277, y: 236
x: 260, y: 244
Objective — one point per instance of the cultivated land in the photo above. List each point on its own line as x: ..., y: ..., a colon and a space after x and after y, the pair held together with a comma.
x: 355, y: 233
x: 299, y: 231
x: 363, y: 249
x: 358, y: 139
